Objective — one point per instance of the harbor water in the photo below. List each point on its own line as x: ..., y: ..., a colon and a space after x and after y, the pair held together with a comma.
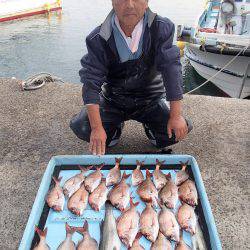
x: 55, y: 42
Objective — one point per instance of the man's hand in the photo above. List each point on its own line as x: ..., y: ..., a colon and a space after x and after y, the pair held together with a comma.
x: 98, y: 139
x: 179, y: 126
x: 98, y: 135
x: 176, y: 122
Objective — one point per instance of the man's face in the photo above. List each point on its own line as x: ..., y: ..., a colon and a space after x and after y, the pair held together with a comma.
x: 130, y: 12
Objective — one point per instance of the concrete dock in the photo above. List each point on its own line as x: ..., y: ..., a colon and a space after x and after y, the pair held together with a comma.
x: 35, y: 126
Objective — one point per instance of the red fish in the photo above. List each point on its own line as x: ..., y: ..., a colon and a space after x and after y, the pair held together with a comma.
x: 188, y: 193
x: 92, y: 181
x: 128, y: 224
x: 159, y: 178
x: 161, y: 243
x: 182, y: 175
x: 147, y: 190
x: 114, y: 174
x: 137, y: 176
x: 55, y: 197
x: 68, y: 244
x: 187, y: 218
x: 149, y: 225
x: 168, y: 224
x: 169, y: 194
x: 136, y: 244
x: 119, y: 196
x: 74, y: 183
x: 87, y: 242
x: 99, y: 196
x: 78, y: 201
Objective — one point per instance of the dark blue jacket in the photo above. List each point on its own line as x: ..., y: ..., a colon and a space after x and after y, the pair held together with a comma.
x: 158, y: 70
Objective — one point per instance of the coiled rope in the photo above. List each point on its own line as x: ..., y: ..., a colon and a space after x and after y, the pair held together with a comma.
x: 217, y: 73
x: 37, y: 81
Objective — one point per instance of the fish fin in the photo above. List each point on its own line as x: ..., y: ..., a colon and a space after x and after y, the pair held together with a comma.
x: 125, y: 176
x: 148, y: 174
x: 99, y: 167
x: 118, y: 160
x: 69, y: 229
x: 57, y: 180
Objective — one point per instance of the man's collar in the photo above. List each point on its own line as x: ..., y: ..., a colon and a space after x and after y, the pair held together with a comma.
x: 106, y: 27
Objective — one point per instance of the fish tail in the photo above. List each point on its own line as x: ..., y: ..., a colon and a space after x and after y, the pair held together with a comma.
x: 99, y: 167
x: 184, y: 165
x: 57, y: 180
x: 41, y: 233
x: 83, y: 229
x: 139, y: 164
x: 69, y: 229
x: 159, y: 163
x: 132, y: 204
x: 125, y: 176
x: 118, y: 160
x: 148, y: 174
x: 138, y: 236
x: 168, y: 176
x: 85, y: 169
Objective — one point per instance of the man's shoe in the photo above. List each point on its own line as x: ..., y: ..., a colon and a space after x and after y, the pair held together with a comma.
x: 116, y: 137
x: 149, y: 134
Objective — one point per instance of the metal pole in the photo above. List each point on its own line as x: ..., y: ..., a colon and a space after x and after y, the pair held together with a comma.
x: 244, y: 80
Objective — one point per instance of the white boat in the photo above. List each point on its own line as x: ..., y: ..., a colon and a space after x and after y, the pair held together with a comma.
x: 14, y: 9
x: 219, y: 45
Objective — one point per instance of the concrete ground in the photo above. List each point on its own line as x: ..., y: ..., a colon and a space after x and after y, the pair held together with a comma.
x: 34, y: 127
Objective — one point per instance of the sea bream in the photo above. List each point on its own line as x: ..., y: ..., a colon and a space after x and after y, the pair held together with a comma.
x: 182, y: 175
x: 168, y: 224
x: 55, y: 197
x: 99, y: 196
x: 92, y: 181
x: 74, y: 183
x: 147, y: 190
x: 159, y: 178
x: 187, y: 218
x: 149, y: 225
x: 161, y: 243
x: 119, y: 196
x: 68, y: 243
x: 136, y: 244
x: 169, y: 194
x: 114, y: 174
x: 188, y: 193
x: 182, y: 245
x: 137, y: 175
x: 78, y: 202
x: 42, y: 245
x: 109, y: 236
x: 128, y: 224
x: 87, y: 241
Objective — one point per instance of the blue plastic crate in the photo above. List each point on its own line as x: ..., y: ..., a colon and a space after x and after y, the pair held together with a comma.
x: 62, y: 166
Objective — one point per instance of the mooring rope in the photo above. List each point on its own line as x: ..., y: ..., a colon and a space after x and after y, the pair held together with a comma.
x: 217, y: 73
x: 37, y: 81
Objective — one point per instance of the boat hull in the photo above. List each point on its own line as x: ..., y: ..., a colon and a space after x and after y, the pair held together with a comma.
x: 231, y: 79
x: 11, y: 10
